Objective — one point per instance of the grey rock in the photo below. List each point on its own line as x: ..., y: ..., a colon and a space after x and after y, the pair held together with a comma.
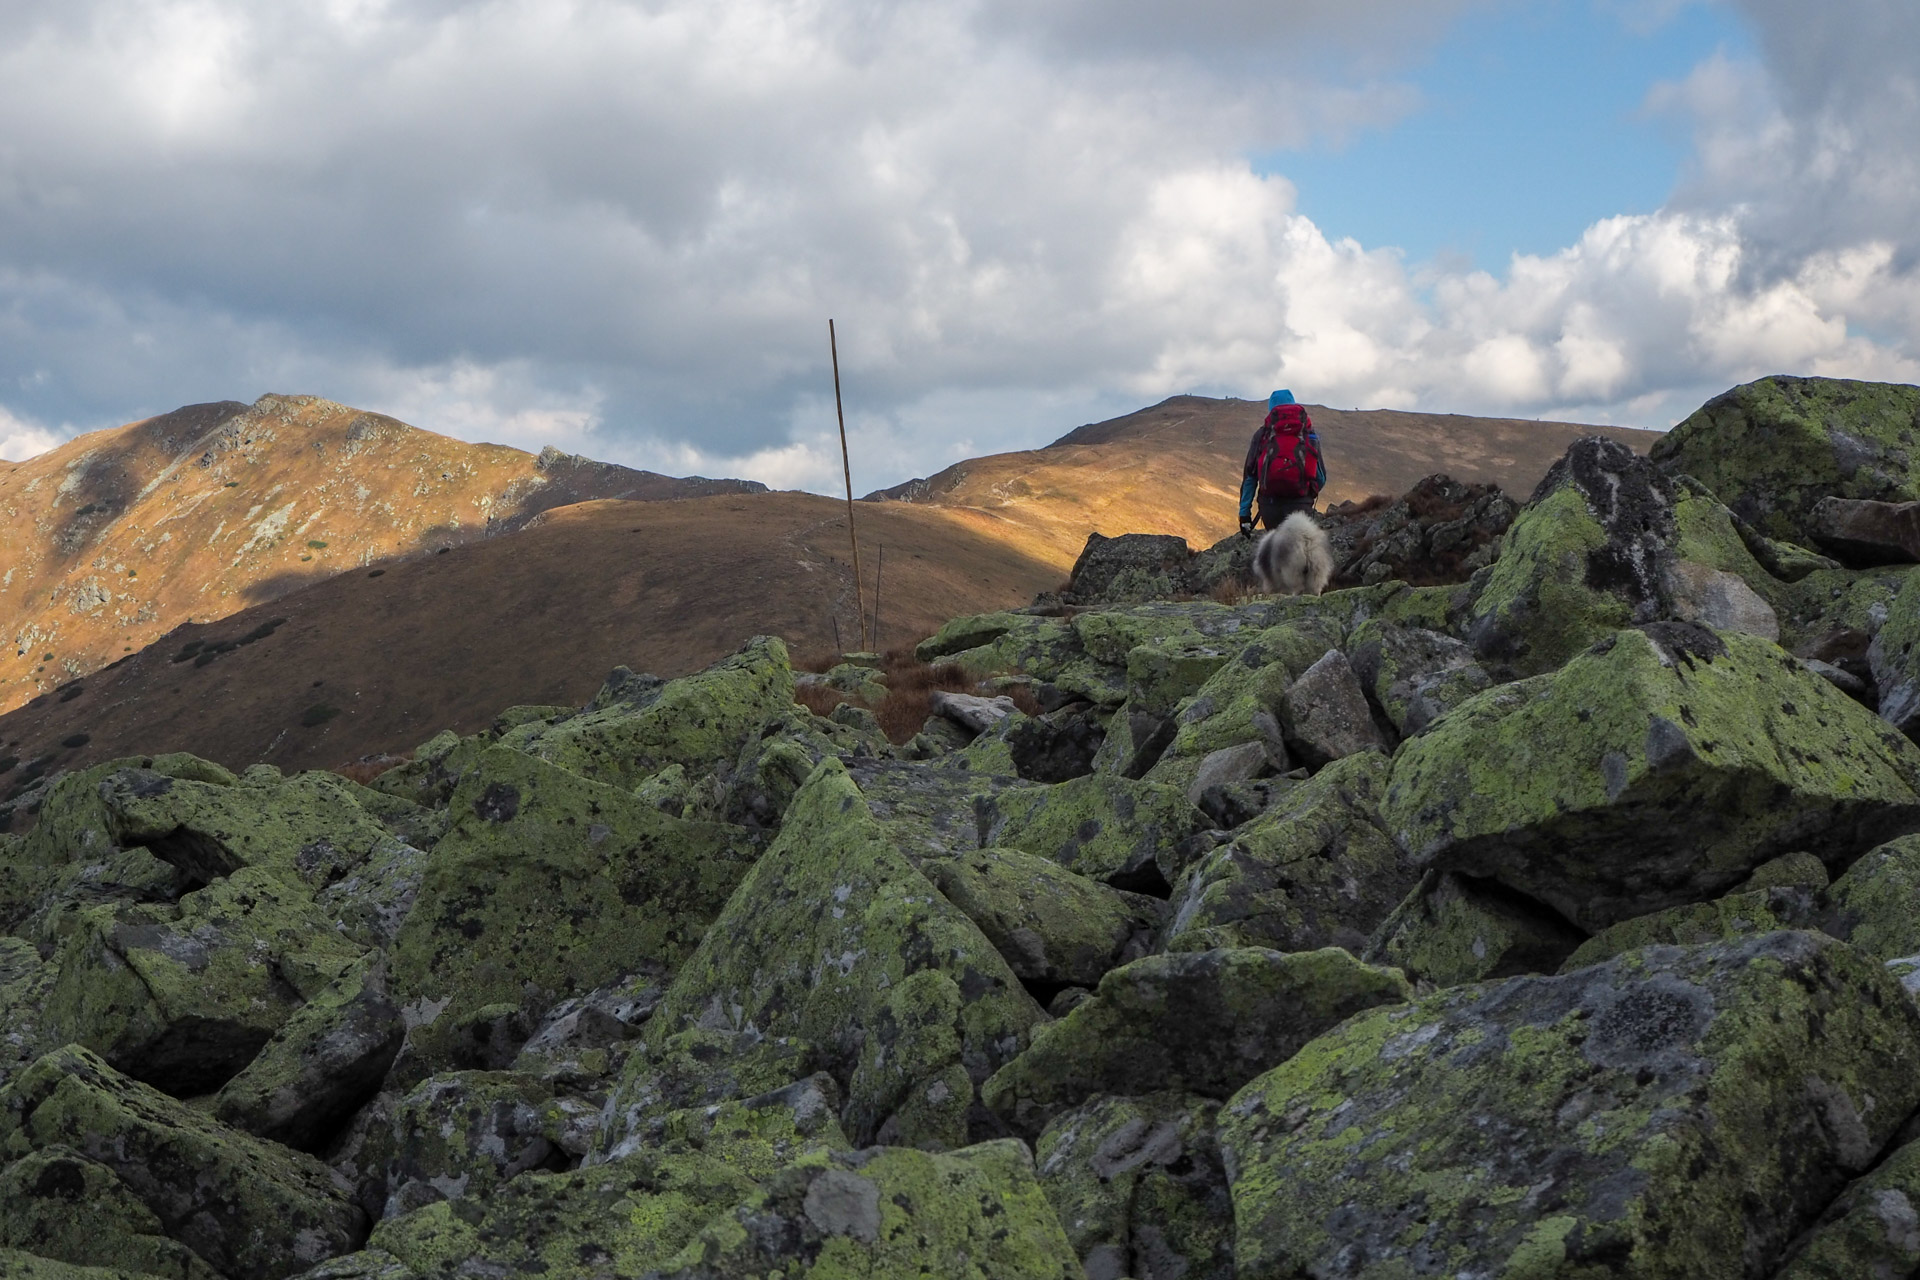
x: 1325, y: 714
x: 1864, y: 532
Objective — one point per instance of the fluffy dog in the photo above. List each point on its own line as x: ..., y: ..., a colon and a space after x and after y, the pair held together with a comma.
x: 1295, y: 558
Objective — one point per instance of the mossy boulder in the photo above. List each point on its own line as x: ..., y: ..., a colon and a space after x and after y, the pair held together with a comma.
x: 1324, y: 715
x: 371, y: 902
x: 1676, y: 1112
x: 699, y: 722
x: 889, y: 1211
x: 1587, y: 556
x: 817, y: 938
x: 1771, y: 449
x: 1872, y: 1232
x: 1873, y: 905
x: 25, y: 982
x: 1316, y: 869
x: 970, y: 632
x: 1738, y: 915
x: 1051, y: 925
x: 1102, y: 827
x: 620, y: 1219
x: 1139, y: 1186
x: 16, y: 1264
x: 429, y: 778
x: 307, y: 828
x: 1199, y: 1022
x: 695, y: 1067
x: 183, y: 996
x: 1414, y: 675
x: 60, y: 1205
x: 756, y: 1135
x: 250, y: 1209
x: 1240, y: 702
x: 1452, y: 930
x: 1724, y: 744
x: 932, y: 809
x: 321, y: 1066
x: 460, y: 1135
x: 548, y: 885
x: 75, y: 823
x: 1895, y: 660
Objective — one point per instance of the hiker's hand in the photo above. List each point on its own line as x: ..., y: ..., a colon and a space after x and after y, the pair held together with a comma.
x: 1246, y: 528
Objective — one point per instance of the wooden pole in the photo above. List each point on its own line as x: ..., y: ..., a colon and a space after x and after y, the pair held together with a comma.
x: 846, y: 469
x: 877, y: 571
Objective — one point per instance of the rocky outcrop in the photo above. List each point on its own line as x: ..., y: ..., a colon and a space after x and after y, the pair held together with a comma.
x: 1558, y: 922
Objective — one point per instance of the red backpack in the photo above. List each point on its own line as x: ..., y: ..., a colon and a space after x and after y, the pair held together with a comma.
x: 1289, y: 460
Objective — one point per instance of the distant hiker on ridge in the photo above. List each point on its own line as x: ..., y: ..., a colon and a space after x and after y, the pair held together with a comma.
x: 1284, y: 466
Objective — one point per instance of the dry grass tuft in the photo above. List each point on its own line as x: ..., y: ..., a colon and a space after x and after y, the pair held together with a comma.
x: 367, y: 768
x: 1231, y: 590
x: 910, y: 686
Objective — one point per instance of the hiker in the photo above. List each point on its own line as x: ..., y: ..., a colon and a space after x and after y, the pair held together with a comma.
x: 1284, y: 466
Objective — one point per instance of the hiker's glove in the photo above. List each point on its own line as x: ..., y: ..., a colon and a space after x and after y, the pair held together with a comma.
x: 1246, y: 528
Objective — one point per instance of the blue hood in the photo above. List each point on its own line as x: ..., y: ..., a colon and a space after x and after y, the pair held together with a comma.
x: 1279, y: 398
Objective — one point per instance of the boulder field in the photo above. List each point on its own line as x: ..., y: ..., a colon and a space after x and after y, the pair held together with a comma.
x: 1562, y: 922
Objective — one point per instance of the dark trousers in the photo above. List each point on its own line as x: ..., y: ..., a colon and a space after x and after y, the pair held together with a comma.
x: 1274, y: 510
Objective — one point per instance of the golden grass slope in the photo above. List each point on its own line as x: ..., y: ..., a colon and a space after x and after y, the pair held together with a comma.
x: 119, y: 536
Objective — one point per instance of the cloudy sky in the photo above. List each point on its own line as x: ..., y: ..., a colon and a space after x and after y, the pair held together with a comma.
x: 619, y: 226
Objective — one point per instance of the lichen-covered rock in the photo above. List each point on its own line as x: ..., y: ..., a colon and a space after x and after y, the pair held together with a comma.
x: 321, y: 1066
x: 1772, y: 449
x: 1240, y: 702
x: 699, y: 721
x: 1324, y: 714
x: 1316, y: 869
x: 1895, y: 660
x: 1718, y: 599
x: 773, y: 764
x: 589, y: 1036
x: 1738, y: 915
x: 932, y: 809
x: 60, y: 1205
x: 818, y: 935
x: 889, y: 1211
x: 306, y: 829
x: 1722, y: 743
x: 607, y: 884
x: 251, y: 1210
x: 755, y: 1135
x: 1198, y: 1022
x: 962, y: 634
x: 368, y: 1264
x: 1413, y: 675
x: 1103, y: 827
x: 25, y: 982
x: 620, y: 1219
x: 75, y: 824
x: 1872, y: 1232
x: 1587, y: 556
x: 697, y: 1067
x: 1051, y: 925
x: 1161, y: 676
x: 372, y: 901
x: 16, y: 1264
x: 429, y: 778
x: 182, y: 996
x: 1452, y: 930
x: 1872, y: 905
x: 462, y: 1134
x: 1676, y: 1112
x: 1139, y: 1187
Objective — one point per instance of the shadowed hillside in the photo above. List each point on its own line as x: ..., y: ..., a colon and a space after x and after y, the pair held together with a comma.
x: 1175, y: 468
x: 119, y: 536
x: 380, y: 659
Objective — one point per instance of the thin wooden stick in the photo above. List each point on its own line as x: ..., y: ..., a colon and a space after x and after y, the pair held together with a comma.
x: 877, y: 571
x: 846, y: 469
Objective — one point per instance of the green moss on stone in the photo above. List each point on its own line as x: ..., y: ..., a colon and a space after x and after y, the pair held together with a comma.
x: 1052, y: 925
x: 1674, y: 1114
x: 252, y: 1210
x: 1099, y: 826
x: 547, y: 885
x: 1200, y: 1022
x: 63, y: 1206
x: 824, y: 927
x: 1723, y: 743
